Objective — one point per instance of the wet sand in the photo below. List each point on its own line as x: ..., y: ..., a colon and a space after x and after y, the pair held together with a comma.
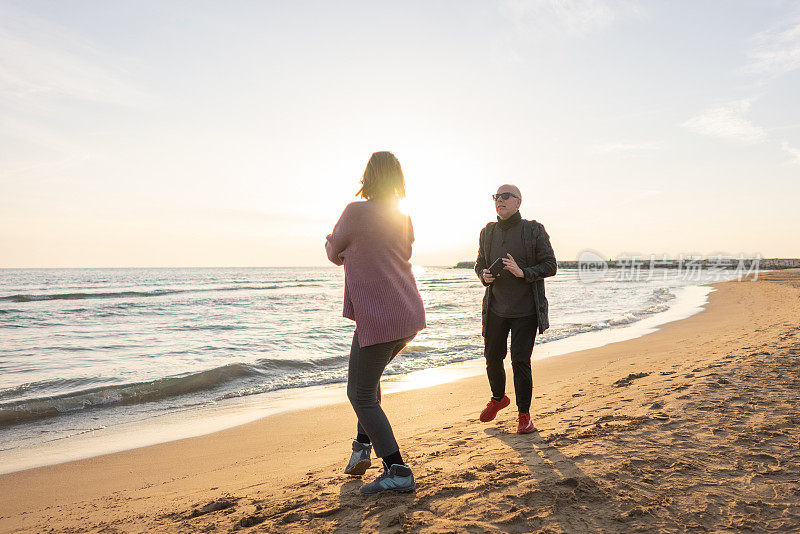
x: 693, y: 427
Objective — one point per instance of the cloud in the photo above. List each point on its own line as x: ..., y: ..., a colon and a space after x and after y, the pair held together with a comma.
x: 43, y: 61
x: 48, y: 72
x: 575, y: 17
x: 255, y: 216
x: 616, y: 148
x: 776, y: 51
x: 727, y: 122
x: 794, y: 152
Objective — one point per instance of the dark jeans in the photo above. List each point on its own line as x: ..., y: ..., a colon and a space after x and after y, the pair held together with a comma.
x: 364, y: 391
x: 523, y: 334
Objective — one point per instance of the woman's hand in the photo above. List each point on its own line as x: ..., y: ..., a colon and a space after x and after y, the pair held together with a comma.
x: 333, y: 252
x: 511, y: 266
x: 487, y: 276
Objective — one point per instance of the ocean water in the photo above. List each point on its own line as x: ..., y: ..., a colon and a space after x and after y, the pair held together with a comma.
x: 84, y: 349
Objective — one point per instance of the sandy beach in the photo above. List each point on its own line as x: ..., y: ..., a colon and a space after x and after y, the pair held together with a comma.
x: 693, y: 427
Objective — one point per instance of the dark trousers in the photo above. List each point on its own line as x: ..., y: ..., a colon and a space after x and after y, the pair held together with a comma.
x: 523, y: 335
x: 364, y: 391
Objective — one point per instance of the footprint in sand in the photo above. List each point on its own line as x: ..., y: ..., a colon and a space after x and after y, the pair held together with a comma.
x: 623, y: 382
x: 213, y: 506
x: 569, y: 482
x: 253, y: 520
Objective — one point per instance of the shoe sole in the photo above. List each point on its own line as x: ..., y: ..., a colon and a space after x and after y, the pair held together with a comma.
x: 527, y: 430
x: 359, y: 469
x: 409, y: 490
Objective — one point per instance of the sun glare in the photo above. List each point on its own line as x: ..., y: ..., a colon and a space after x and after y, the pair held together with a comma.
x: 403, y: 206
x: 439, y: 185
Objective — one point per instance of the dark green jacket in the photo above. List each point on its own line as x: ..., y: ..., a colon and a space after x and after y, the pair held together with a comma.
x: 539, y: 257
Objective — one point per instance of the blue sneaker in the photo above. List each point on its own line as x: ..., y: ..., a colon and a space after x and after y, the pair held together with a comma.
x: 360, y: 459
x: 398, y: 478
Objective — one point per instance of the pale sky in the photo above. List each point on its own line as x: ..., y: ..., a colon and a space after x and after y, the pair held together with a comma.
x: 168, y: 133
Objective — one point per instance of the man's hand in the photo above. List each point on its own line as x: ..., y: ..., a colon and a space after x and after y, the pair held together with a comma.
x: 511, y: 266
x: 487, y: 276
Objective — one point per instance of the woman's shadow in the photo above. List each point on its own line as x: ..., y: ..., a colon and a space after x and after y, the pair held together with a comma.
x: 381, y: 512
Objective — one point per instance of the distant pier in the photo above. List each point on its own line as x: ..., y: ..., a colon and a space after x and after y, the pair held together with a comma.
x: 762, y: 264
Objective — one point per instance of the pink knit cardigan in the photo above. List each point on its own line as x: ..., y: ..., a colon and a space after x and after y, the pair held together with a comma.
x: 373, y: 241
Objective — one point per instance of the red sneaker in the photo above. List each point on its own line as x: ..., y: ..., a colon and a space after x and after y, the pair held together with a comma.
x: 525, y: 425
x: 490, y: 412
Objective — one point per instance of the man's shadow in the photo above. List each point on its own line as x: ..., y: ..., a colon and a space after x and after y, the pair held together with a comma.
x: 579, y: 504
x: 565, y: 482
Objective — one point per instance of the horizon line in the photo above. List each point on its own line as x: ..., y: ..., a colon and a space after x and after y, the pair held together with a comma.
x: 451, y: 265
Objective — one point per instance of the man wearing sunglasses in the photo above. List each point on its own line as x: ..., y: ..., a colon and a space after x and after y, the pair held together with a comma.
x: 514, y: 301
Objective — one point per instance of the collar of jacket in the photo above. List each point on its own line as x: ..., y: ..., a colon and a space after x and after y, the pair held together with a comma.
x: 510, y: 222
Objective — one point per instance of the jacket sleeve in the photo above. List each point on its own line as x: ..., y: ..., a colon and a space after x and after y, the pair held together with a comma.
x: 544, y: 258
x: 338, y: 239
x: 480, y: 263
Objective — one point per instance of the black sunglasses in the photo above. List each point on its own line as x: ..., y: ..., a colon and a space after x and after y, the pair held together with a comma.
x: 504, y: 196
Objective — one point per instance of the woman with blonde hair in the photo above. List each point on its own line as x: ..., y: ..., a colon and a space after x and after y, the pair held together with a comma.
x: 373, y: 239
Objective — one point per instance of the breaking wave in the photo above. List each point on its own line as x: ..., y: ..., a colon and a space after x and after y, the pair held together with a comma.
x: 137, y: 294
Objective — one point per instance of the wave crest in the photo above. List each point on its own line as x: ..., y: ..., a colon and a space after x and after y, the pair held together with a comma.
x: 137, y: 294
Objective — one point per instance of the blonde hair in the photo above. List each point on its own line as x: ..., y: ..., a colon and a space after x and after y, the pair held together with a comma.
x: 383, y: 178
